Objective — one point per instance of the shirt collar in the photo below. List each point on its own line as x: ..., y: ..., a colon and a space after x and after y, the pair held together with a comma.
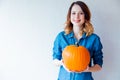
x: 71, y: 34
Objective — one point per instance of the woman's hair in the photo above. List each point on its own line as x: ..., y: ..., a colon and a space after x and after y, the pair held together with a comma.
x: 87, y: 26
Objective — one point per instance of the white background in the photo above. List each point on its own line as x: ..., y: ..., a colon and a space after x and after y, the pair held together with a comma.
x: 29, y: 27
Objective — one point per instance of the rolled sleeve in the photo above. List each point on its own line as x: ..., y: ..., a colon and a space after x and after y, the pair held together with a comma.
x: 56, y: 48
x: 98, y: 54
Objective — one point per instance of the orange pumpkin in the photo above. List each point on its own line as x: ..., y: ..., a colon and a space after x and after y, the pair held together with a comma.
x: 76, y: 58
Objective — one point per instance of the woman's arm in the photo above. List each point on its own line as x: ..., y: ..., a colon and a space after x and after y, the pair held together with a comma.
x: 94, y: 68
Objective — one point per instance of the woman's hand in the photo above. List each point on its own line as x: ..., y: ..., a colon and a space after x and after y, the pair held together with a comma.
x: 57, y: 62
x: 60, y: 63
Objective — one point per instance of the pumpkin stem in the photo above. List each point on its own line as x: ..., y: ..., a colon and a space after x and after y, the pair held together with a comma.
x: 76, y: 43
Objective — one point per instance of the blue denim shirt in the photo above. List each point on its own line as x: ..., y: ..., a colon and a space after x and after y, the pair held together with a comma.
x: 92, y: 43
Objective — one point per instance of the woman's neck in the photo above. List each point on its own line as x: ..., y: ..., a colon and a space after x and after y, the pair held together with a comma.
x: 77, y: 30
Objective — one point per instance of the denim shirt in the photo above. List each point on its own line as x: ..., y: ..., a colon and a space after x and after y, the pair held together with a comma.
x: 92, y: 43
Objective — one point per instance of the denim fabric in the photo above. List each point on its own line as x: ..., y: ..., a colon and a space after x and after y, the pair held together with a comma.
x: 92, y: 43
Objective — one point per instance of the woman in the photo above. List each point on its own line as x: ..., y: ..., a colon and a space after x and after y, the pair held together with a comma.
x: 78, y: 30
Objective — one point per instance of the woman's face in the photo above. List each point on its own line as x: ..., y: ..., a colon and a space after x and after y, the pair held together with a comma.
x: 77, y: 16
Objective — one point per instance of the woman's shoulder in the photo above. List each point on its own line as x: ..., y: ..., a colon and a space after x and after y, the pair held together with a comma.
x: 61, y: 33
x: 94, y: 35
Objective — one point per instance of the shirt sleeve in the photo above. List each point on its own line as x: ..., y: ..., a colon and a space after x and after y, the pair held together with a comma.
x: 56, y: 48
x: 98, y: 54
